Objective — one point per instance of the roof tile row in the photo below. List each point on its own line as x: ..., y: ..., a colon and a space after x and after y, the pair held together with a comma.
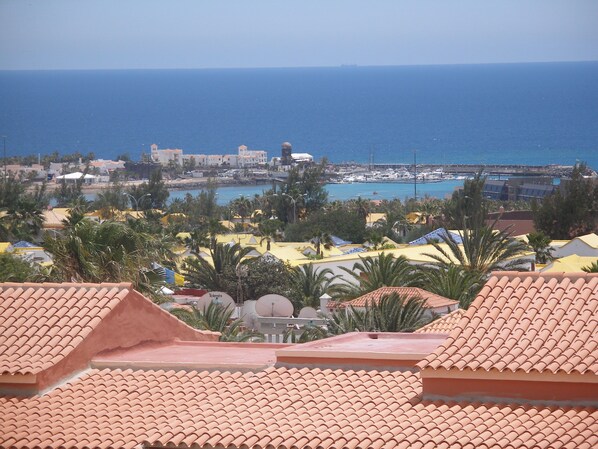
x: 278, y: 407
x: 526, y: 322
x: 45, y: 322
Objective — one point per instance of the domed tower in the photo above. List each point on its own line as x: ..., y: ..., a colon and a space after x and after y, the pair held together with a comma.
x: 287, y: 150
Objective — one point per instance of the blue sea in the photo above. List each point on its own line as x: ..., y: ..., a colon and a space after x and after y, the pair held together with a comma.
x: 545, y: 113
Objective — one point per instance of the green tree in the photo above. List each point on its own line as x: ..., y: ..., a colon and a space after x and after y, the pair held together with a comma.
x: 89, y: 251
x: 68, y: 192
x: 454, y: 282
x: 308, y: 284
x: 483, y: 250
x: 392, y: 313
x: 200, y: 273
x: 361, y: 208
x: 592, y: 268
x: 270, y: 230
x: 572, y: 210
x: 260, y: 277
x: 321, y: 239
x: 154, y: 192
x: 25, y: 219
x: 540, y: 244
x: 217, y: 318
x: 467, y: 207
x: 373, y: 272
x: 16, y: 269
x: 11, y: 190
x: 111, y: 199
x: 242, y: 206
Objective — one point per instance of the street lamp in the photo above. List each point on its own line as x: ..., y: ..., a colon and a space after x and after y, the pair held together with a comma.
x: 136, y: 199
x: 294, y: 201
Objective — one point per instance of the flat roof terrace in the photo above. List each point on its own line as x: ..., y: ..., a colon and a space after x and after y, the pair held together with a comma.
x: 372, y: 349
x: 192, y: 356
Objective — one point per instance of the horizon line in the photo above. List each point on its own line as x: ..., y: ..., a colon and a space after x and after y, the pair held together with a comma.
x: 344, y: 66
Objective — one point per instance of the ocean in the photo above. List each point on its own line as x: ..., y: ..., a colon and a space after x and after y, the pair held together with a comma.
x: 544, y: 113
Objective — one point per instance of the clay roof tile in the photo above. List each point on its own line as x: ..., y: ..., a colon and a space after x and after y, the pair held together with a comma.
x: 509, y: 325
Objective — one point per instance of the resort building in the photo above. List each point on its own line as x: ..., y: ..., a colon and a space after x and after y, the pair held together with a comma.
x: 243, y: 158
x: 99, y: 366
x: 523, y: 188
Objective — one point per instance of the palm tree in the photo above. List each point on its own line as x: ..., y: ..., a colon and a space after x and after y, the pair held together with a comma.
x: 372, y: 272
x: 348, y: 320
x: 308, y: 284
x: 269, y: 230
x: 25, y: 220
x: 392, y: 313
x: 362, y: 208
x: 242, y: 206
x: 483, y: 250
x: 202, y: 274
x: 110, y: 251
x: 453, y: 282
x: 218, y: 318
x: 592, y: 268
x: 321, y: 239
x: 540, y: 244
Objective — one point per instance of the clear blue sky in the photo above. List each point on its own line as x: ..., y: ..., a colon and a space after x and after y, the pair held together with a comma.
x: 119, y: 34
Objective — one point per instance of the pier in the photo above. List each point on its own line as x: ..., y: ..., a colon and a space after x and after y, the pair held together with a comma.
x: 488, y: 169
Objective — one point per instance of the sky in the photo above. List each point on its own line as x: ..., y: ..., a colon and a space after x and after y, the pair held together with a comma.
x: 147, y: 34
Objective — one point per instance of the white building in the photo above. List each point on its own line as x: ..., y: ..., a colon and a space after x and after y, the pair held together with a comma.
x: 302, y: 158
x: 244, y: 157
x: 164, y: 157
x: 249, y: 158
x: 105, y: 167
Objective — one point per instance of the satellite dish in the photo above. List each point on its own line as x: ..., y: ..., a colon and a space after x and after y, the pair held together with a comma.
x: 224, y: 299
x: 308, y: 312
x: 274, y: 306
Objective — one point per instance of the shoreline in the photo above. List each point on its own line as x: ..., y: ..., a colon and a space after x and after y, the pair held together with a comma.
x: 336, y: 171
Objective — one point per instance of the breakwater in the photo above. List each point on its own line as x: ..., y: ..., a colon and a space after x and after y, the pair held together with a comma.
x: 556, y: 171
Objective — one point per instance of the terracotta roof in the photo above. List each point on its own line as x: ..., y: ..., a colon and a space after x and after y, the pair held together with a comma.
x: 278, y: 408
x: 524, y: 322
x: 444, y: 324
x: 43, y: 323
x: 432, y: 300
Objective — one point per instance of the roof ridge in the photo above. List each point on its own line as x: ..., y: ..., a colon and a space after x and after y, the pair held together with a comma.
x: 121, y: 285
x: 542, y: 274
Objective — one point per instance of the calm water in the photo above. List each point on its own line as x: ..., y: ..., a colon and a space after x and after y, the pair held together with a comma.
x: 513, y: 113
x: 373, y: 191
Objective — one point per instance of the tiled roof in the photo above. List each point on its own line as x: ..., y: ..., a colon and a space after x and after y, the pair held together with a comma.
x: 526, y: 322
x: 278, y: 408
x: 43, y: 323
x: 432, y: 300
x: 444, y: 324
